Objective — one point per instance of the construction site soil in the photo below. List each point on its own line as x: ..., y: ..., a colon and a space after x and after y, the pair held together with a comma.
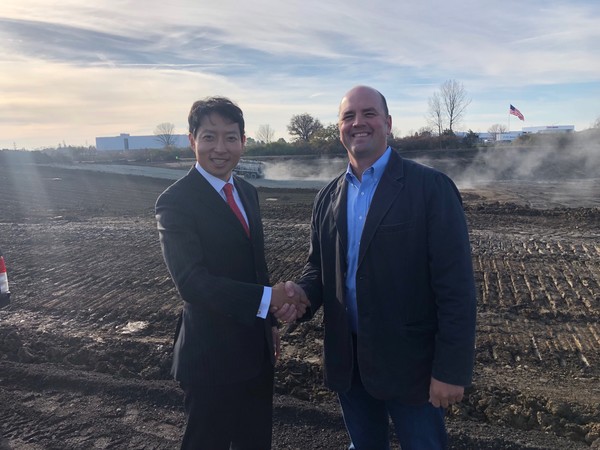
x: 85, y: 346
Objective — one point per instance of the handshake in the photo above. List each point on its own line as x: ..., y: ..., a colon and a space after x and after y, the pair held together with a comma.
x: 288, y: 301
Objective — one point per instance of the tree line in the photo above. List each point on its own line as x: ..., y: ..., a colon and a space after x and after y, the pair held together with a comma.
x: 309, y: 136
x: 586, y: 139
x: 447, y: 108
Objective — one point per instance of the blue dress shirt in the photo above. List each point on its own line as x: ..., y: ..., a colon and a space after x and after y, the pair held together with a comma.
x: 360, y: 195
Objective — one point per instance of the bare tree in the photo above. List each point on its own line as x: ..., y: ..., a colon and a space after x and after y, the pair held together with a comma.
x: 265, y: 134
x: 436, y: 113
x: 448, y: 106
x: 304, y: 126
x: 165, y: 134
x: 497, y: 129
x: 455, y: 100
x: 596, y: 123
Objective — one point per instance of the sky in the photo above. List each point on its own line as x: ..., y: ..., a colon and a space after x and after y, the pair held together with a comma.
x: 74, y: 70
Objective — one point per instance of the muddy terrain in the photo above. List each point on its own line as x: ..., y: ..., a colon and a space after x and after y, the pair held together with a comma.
x: 85, y: 346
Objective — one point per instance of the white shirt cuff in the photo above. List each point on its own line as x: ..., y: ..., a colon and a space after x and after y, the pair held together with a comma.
x: 265, y: 303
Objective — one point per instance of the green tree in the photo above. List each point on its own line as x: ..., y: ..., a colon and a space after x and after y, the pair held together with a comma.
x: 327, y: 140
x: 471, y: 139
x: 303, y: 127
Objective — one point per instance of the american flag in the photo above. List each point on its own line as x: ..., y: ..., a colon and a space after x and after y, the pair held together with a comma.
x: 515, y: 112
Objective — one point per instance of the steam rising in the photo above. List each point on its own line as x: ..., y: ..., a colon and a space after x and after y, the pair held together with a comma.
x: 554, y: 170
x: 321, y: 169
x: 561, y: 170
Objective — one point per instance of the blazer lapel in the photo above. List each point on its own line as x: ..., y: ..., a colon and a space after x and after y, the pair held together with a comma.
x: 207, y: 194
x: 339, y: 203
x: 214, y: 203
x: 388, y: 189
x: 339, y: 207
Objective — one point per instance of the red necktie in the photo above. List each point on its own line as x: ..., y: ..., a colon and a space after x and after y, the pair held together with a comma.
x: 228, y: 189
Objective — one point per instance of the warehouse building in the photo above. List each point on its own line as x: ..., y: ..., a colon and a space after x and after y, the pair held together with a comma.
x: 545, y: 129
x: 127, y: 142
x: 550, y: 129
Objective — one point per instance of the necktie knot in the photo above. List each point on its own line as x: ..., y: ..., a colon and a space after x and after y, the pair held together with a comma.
x: 228, y: 189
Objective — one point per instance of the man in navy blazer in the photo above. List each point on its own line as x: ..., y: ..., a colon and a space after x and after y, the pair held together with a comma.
x: 226, y: 341
x: 390, y: 263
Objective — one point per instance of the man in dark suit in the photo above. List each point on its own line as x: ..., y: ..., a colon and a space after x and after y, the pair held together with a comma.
x: 390, y: 263
x: 212, y: 242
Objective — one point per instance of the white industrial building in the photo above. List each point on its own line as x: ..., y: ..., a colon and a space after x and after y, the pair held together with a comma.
x: 127, y: 142
x: 550, y: 129
x: 545, y: 129
x: 510, y: 136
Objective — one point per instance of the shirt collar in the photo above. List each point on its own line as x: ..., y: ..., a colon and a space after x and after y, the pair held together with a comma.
x: 215, y: 182
x: 376, y: 169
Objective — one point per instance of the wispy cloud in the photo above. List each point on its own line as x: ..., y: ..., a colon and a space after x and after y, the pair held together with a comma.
x: 91, y: 70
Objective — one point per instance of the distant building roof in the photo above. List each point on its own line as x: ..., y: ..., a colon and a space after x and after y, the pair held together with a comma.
x: 550, y: 129
x: 127, y: 142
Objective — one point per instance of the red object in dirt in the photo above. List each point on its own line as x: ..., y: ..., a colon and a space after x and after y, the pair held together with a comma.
x: 3, y: 277
x: 4, y: 292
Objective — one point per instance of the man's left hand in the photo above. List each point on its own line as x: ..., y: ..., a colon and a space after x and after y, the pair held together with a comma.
x: 444, y: 394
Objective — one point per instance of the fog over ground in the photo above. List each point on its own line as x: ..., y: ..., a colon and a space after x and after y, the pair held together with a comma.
x: 566, y: 175
x: 562, y: 171
x: 321, y: 169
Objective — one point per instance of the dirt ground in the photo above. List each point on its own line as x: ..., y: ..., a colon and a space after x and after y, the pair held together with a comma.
x: 85, y: 345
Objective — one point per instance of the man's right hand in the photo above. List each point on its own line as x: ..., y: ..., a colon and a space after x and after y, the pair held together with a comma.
x: 288, y: 301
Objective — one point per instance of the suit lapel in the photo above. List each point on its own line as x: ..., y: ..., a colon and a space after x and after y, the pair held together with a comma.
x: 207, y: 195
x: 339, y: 202
x: 215, y: 204
x: 388, y: 189
x: 339, y: 207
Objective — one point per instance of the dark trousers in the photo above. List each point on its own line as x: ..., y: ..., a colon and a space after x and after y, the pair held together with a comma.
x: 230, y: 417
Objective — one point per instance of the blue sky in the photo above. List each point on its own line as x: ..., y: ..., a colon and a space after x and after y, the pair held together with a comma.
x: 71, y: 71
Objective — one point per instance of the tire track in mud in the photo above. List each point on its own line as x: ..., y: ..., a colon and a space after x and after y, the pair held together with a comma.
x: 91, y: 269
x: 80, y: 279
x: 51, y: 401
x: 539, y: 318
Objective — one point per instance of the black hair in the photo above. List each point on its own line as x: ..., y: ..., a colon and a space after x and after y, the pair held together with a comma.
x: 215, y: 105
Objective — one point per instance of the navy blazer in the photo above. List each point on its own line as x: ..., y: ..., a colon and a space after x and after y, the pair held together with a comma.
x: 414, y: 281
x: 219, y: 273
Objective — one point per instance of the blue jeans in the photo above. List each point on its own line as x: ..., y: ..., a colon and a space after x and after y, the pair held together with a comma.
x: 418, y: 427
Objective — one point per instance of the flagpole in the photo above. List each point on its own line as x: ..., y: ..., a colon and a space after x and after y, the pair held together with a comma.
x: 508, y: 119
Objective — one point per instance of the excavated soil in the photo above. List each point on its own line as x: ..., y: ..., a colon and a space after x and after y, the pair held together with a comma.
x: 85, y: 346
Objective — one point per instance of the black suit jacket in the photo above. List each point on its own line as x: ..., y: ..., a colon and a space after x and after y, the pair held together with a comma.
x: 415, y: 287
x: 219, y: 273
